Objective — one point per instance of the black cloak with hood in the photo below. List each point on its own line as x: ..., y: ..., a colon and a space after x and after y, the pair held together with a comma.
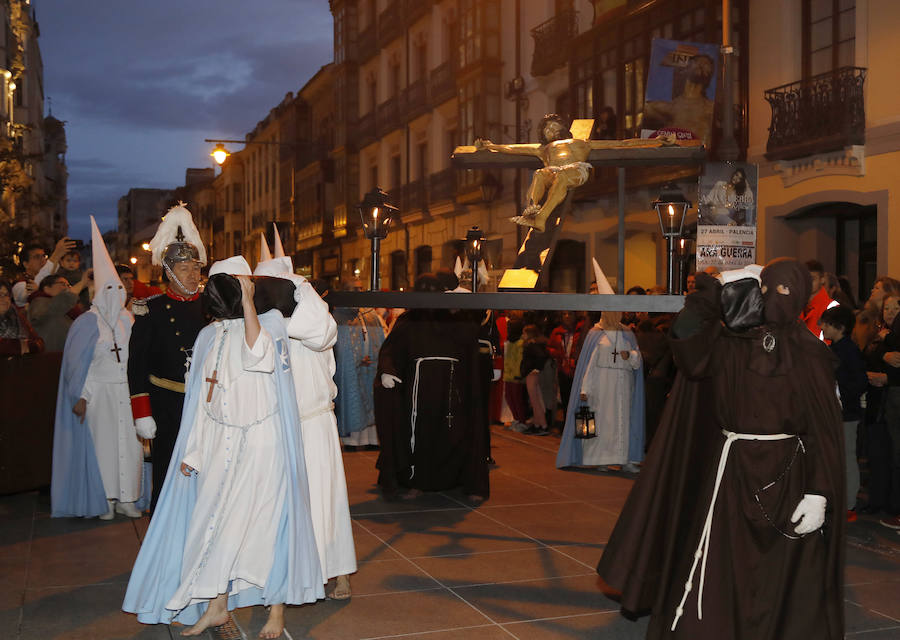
x: 762, y: 581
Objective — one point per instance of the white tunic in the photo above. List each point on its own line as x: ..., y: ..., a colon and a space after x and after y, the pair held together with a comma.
x: 313, y: 332
x: 235, y: 446
x: 609, y: 385
x: 108, y: 415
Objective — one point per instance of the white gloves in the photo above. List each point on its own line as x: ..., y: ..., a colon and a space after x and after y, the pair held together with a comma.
x: 145, y: 427
x: 496, y: 376
x: 388, y: 381
x: 810, y: 514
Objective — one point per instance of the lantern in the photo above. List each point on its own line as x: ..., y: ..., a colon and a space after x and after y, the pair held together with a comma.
x: 584, y: 422
x: 671, y: 207
x: 376, y: 214
x: 474, y: 252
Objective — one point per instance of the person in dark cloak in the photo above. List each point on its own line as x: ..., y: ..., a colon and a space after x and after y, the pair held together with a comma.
x: 734, y: 529
x: 428, y: 409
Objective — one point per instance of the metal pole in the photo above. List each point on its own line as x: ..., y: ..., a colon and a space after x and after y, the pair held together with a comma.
x: 728, y: 148
x: 376, y: 272
x: 620, y: 277
x: 670, y: 272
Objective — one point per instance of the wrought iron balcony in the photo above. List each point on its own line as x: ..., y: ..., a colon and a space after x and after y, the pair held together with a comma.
x: 443, y: 83
x: 390, y: 23
x: 365, y: 129
x: 415, y: 99
x: 552, y: 42
x: 442, y: 185
x: 415, y: 9
x: 414, y: 196
x: 823, y: 113
x: 388, y: 117
x: 367, y: 43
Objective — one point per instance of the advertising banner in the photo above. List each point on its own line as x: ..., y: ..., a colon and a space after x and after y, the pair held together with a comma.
x: 726, y: 226
x: 681, y: 89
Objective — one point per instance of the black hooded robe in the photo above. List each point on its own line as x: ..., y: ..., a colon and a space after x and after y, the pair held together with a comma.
x: 430, y: 425
x: 760, y: 583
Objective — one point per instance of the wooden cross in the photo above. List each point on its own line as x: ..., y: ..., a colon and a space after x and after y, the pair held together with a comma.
x: 116, y: 348
x: 212, y: 383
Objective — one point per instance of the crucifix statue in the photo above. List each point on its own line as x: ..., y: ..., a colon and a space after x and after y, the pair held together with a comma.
x: 563, y: 160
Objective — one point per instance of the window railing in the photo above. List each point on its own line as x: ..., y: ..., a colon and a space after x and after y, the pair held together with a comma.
x: 366, y: 132
x: 390, y: 22
x: 442, y: 185
x: 443, y: 83
x: 388, y: 116
x: 416, y: 99
x: 367, y: 43
x: 552, y: 42
x: 820, y: 114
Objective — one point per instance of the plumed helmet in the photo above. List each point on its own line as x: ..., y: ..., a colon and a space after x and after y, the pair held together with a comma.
x: 177, y: 239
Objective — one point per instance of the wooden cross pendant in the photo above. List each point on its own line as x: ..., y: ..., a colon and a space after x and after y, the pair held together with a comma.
x: 116, y: 348
x: 615, y: 355
x: 212, y: 383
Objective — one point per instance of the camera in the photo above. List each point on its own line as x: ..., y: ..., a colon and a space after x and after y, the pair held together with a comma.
x: 79, y: 245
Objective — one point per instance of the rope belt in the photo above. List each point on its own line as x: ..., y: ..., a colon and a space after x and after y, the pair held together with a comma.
x: 703, y: 546
x: 318, y: 412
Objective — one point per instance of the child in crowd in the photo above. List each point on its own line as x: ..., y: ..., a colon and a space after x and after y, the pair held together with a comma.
x: 70, y: 268
x: 837, y: 324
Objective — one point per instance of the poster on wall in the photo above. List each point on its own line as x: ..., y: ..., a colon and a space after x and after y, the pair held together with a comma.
x: 681, y: 89
x: 726, y: 225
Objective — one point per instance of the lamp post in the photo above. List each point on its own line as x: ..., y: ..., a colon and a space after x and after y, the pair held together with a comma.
x: 474, y: 252
x: 376, y: 214
x: 671, y: 207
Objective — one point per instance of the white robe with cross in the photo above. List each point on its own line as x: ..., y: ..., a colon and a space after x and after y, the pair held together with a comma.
x: 237, y: 451
x: 108, y: 414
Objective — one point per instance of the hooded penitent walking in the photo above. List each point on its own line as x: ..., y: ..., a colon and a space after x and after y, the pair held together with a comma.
x: 97, y: 455
x: 735, y: 527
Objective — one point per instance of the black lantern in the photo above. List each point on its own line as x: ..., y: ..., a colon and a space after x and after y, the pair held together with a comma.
x: 474, y: 252
x: 671, y: 208
x: 376, y: 214
x: 584, y: 422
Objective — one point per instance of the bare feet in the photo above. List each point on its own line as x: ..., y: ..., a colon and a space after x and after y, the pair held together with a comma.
x: 216, y: 614
x: 341, y: 588
x: 274, y: 626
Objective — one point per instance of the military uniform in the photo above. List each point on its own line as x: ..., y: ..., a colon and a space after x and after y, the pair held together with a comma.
x: 165, y: 328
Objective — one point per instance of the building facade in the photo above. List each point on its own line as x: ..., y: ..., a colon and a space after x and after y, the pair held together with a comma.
x: 33, y: 170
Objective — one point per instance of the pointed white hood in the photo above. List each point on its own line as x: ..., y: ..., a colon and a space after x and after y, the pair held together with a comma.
x: 233, y: 266
x: 279, y: 249
x: 109, y: 293
x: 264, y: 254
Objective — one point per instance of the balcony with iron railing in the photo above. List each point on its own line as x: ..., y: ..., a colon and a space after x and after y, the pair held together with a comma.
x: 388, y: 117
x: 442, y: 185
x: 415, y: 99
x: 552, y: 42
x: 390, y: 22
x: 366, y: 133
x: 367, y: 43
x: 817, y: 115
x: 442, y: 83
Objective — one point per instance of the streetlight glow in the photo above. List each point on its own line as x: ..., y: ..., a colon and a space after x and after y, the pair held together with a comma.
x: 220, y: 153
x: 146, y: 246
x: 133, y: 260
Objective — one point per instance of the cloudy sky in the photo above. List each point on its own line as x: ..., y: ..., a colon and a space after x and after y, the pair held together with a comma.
x: 141, y: 83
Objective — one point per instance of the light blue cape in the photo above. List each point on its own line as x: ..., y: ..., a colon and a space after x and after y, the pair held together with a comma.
x: 354, y: 406
x: 295, y: 577
x: 570, y: 448
x: 76, y: 487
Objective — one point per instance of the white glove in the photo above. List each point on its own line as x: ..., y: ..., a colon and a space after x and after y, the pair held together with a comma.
x: 145, y: 427
x: 496, y: 376
x: 388, y: 381
x: 810, y: 514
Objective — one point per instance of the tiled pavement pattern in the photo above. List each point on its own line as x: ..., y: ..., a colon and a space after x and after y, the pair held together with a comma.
x: 519, y: 566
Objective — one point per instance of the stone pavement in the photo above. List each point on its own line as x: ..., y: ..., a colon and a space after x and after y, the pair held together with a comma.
x: 519, y: 566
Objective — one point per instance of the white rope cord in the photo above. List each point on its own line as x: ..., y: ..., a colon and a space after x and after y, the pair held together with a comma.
x: 703, y: 546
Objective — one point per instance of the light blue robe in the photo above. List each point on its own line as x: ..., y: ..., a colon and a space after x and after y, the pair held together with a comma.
x: 76, y: 487
x: 295, y: 577
x: 571, y: 448
x: 354, y: 405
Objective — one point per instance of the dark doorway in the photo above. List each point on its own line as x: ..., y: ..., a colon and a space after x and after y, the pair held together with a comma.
x: 856, y: 248
x: 567, y: 267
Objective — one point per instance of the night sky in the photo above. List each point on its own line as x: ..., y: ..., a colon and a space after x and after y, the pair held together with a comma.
x: 140, y: 84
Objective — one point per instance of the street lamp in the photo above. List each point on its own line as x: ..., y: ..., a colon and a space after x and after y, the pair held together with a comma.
x: 671, y: 207
x: 474, y: 252
x: 220, y: 154
x: 376, y: 214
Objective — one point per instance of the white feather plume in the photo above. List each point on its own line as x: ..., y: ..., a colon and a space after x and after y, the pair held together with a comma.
x: 177, y: 216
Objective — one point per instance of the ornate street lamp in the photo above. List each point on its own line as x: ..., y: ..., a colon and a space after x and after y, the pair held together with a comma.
x: 671, y: 207
x: 584, y: 422
x: 376, y: 214
x: 474, y: 252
